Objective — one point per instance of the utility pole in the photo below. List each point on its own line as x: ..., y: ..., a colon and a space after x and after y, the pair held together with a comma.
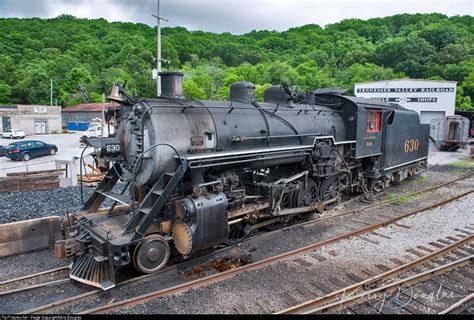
x: 51, y: 92
x: 158, y: 47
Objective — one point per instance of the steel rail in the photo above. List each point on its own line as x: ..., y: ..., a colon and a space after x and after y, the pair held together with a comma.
x: 325, y: 216
x: 459, y: 306
x: 256, y: 265
x: 54, y: 305
x: 386, y: 202
x: 257, y: 207
x: 352, y: 289
x: 73, y: 299
x: 348, y: 301
x: 11, y: 282
x: 5, y: 282
x: 34, y: 286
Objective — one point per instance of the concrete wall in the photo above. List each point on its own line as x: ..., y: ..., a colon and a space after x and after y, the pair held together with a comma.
x: 427, y: 97
x: 25, y: 117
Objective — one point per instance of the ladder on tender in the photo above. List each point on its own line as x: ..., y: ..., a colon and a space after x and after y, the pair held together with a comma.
x: 154, y: 201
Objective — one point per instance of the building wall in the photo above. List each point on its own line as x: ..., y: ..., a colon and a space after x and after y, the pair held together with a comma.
x: 431, y: 99
x: 27, y: 118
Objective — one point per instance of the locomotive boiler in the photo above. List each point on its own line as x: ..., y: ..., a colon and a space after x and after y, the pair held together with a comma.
x: 189, y: 175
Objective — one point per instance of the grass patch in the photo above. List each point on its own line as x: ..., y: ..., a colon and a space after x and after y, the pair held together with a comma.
x: 421, y: 179
x: 399, y: 200
x: 464, y: 164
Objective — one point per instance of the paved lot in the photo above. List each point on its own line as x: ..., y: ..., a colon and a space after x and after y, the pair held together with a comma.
x: 437, y: 157
x: 68, y: 147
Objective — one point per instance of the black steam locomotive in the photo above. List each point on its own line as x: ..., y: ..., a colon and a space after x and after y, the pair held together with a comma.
x: 196, y: 174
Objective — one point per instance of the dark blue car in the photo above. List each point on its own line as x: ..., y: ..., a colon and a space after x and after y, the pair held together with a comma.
x: 25, y: 150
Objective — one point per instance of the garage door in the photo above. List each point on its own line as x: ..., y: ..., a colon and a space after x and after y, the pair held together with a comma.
x: 426, y: 116
x: 40, y: 127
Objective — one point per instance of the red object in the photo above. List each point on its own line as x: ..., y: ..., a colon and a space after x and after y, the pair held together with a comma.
x: 16, y: 150
x: 373, y: 121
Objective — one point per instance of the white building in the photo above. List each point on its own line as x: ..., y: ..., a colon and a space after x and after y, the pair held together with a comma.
x: 430, y: 98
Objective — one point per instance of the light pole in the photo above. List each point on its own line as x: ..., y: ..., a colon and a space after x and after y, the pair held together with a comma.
x: 51, y: 92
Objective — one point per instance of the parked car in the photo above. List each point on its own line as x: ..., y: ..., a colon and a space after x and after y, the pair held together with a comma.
x: 25, y: 150
x: 93, y: 132
x: 13, y: 133
x: 3, y: 151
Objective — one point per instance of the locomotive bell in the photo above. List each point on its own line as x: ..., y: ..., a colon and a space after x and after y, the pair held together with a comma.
x: 115, y: 94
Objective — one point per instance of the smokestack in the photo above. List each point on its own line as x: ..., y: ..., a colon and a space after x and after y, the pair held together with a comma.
x: 171, y: 84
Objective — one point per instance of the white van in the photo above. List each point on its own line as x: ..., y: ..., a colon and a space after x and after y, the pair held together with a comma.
x: 93, y: 132
x: 96, y: 132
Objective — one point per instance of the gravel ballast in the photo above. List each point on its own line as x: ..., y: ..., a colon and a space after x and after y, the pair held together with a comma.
x: 273, y: 244
x: 17, y: 206
x: 351, y: 255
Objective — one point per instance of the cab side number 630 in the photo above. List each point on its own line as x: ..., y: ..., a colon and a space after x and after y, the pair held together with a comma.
x: 411, y: 145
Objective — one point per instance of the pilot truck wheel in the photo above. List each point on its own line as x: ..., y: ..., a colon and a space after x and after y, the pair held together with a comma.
x: 151, y: 254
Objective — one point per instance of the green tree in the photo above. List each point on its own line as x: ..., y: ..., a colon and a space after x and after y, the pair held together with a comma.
x: 77, y: 86
x: 411, y: 55
x: 192, y: 90
x: 260, y: 89
x: 5, y: 93
x: 85, y: 57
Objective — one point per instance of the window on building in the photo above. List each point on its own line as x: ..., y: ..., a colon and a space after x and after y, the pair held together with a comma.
x: 373, y: 121
x: 6, y: 123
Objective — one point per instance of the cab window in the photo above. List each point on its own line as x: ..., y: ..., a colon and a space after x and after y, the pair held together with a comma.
x: 373, y: 121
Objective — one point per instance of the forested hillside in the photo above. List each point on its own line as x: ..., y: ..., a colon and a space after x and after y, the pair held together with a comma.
x: 83, y: 57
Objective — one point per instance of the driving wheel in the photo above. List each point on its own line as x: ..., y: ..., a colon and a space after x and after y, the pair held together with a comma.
x: 305, y: 197
x: 237, y: 233
x: 151, y: 254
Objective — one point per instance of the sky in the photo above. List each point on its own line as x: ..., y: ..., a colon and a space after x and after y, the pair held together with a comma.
x: 235, y: 16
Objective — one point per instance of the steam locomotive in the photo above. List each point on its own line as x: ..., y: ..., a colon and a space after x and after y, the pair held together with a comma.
x: 197, y: 174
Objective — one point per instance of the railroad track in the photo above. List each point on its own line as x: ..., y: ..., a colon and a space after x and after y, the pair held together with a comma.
x: 34, y: 281
x: 410, y: 285
x: 90, y: 293
x: 87, y: 296
x: 205, y: 281
x: 342, y: 299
